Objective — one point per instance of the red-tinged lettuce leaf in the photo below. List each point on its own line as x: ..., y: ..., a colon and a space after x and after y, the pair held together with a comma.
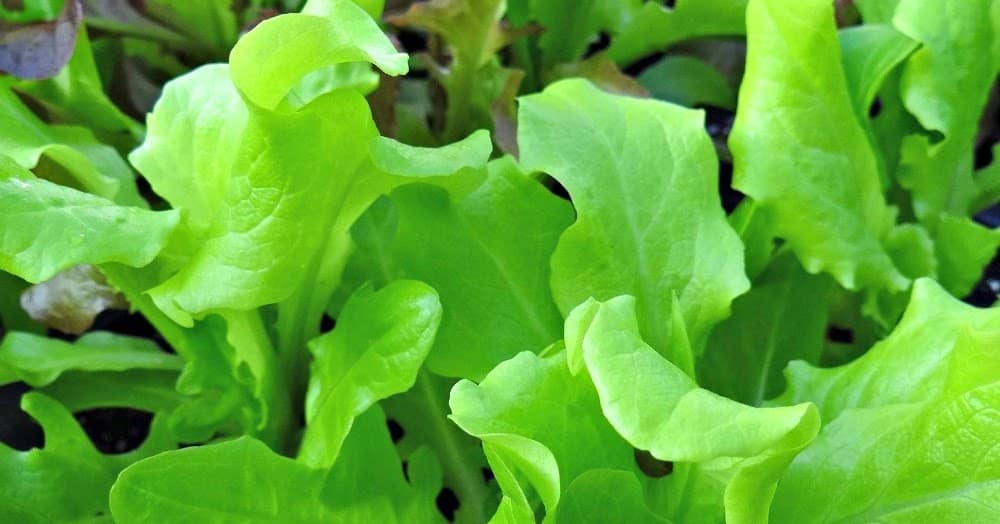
x: 71, y: 300
x: 642, y: 176
x: 39, y: 50
x: 244, y: 480
x: 49, y: 228
x: 470, y: 73
x: 604, y: 73
x: 910, y: 426
x: 68, y: 479
x: 547, y: 421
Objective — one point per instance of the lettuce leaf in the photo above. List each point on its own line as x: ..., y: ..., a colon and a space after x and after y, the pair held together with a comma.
x: 909, y: 425
x: 649, y: 222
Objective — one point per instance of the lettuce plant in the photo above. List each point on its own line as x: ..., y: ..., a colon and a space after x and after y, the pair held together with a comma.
x: 492, y: 279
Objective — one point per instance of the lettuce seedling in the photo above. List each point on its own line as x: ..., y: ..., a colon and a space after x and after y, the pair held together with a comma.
x: 492, y: 279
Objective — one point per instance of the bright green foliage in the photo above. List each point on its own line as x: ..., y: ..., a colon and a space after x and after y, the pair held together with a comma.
x: 192, y: 138
x: 500, y: 236
x: 945, y: 85
x: 286, y: 48
x: 923, y: 397
x: 67, y: 480
x: 687, y: 81
x: 504, y: 287
x: 654, y: 27
x: 825, y: 151
x: 773, y: 324
x: 648, y: 219
x: 423, y: 412
x: 32, y: 11
x: 48, y: 228
x: 584, y: 409
x: 242, y: 480
x: 259, y: 485
x: 39, y: 361
x: 67, y: 155
x: 913, y: 364
x: 869, y: 53
x: 375, y: 352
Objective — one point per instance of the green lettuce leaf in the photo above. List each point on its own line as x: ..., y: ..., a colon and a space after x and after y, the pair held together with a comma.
x: 68, y: 155
x: 67, y: 480
x: 211, y: 22
x: 823, y: 192
x: 268, y: 62
x: 869, y: 52
x: 642, y: 176
x: 369, y: 484
x: 380, y: 342
x: 911, y: 424
x: 40, y: 360
x: 192, y: 139
x: 32, y: 11
x: 39, y: 215
x: 546, y: 421
x: 570, y: 26
x: 945, y: 85
x: 278, y: 209
x: 499, y: 235
x: 782, y: 318
x: 687, y: 81
x: 237, y: 480
x: 654, y: 27
x: 244, y: 480
x: 422, y: 412
x: 141, y: 389
x: 911, y: 365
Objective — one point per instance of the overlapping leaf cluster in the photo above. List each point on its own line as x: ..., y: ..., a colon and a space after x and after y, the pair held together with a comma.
x: 627, y: 354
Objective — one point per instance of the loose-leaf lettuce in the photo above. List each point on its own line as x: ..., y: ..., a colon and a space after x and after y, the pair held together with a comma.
x: 822, y: 191
x: 588, y: 414
x: 642, y: 177
x: 375, y: 352
x: 910, y: 426
x: 48, y: 228
x: 499, y: 235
